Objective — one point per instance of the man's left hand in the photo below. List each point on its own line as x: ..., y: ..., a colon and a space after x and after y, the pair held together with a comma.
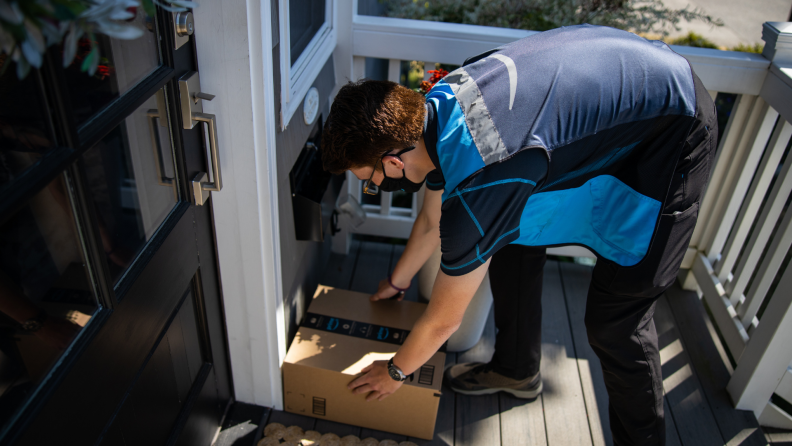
x: 376, y: 381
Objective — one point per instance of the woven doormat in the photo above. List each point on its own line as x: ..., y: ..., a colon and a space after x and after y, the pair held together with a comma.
x: 276, y: 434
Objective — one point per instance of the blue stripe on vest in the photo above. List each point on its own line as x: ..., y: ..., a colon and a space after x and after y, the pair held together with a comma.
x: 604, y: 214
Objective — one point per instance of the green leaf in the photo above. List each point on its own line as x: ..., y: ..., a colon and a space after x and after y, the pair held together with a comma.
x: 88, y: 61
x: 63, y: 12
x: 148, y: 6
x: 18, y: 31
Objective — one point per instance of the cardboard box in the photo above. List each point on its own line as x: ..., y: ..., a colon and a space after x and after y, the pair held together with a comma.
x: 342, y: 333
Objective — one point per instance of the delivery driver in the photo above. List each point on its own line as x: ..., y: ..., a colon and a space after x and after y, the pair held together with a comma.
x: 581, y: 135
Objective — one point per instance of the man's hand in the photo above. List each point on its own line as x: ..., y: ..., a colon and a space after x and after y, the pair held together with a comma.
x: 376, y: 381
x: 386, y: 291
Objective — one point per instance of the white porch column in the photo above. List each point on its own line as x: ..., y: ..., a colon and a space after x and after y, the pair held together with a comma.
x: 234, y: 45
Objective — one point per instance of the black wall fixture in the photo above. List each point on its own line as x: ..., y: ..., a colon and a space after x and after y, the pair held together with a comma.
x: 314, y: 191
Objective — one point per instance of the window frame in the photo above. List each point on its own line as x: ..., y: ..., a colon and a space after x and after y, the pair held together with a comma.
x: 297, y: 78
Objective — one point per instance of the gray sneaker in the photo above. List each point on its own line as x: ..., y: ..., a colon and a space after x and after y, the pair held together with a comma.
x: 476, y: 378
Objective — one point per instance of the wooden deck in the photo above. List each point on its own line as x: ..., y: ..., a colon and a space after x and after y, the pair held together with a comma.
x: 572, y: 410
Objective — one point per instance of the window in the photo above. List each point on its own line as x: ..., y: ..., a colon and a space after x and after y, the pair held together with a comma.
x: 308, y: 37
x: 306, y: 17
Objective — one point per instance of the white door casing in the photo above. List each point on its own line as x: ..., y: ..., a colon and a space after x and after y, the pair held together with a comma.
x: 234, y: 48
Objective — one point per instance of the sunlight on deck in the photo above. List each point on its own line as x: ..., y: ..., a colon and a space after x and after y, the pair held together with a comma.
x: 573, y: 409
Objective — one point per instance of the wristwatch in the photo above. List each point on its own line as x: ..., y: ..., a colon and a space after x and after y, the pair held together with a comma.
x: 34, y: 324
x: 395, y: 372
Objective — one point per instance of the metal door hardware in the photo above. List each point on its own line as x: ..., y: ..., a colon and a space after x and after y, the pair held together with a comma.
x: 192, y: 113
x: 183, y: 28
x: 161, y: 114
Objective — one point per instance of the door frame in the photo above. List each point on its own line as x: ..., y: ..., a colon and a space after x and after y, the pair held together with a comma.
x: 234, y: 45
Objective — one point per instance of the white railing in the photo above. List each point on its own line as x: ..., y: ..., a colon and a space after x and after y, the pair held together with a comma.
x: 742, y: 213
x: 744, y: 235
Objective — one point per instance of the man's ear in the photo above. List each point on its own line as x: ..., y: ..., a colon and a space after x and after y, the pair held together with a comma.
x: 394, y: 161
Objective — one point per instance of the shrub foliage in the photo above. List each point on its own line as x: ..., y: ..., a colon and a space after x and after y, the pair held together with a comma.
x: 647, y: 16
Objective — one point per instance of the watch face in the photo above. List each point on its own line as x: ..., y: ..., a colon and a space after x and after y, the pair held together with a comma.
x: 394, y: 374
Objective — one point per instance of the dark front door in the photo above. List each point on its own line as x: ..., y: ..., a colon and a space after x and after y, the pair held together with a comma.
x: 111, y: 323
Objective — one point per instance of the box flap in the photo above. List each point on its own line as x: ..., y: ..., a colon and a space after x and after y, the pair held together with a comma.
x: 357, y: 307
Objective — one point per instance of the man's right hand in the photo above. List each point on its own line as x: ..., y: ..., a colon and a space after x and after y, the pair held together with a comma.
x: 386, y: 291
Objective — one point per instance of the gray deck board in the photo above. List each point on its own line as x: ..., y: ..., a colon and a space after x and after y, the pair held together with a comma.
x: 340, y: 268
x: 478, y: 417
x: 522, y: 421
x: 672, y: 435
x: 692, y: 415
x: 689, y: 316
x: 576, y: 279
x: 566, y: 419
x: 573, y: 408
x: 373, y: 265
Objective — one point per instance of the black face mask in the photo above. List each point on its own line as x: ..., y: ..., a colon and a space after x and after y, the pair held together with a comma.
x: 394, y: 184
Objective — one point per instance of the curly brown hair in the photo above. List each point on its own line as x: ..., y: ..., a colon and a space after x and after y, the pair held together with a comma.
x: 368, y: 119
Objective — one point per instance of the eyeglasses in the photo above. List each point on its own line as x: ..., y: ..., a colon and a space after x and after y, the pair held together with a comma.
x: 369, y: 188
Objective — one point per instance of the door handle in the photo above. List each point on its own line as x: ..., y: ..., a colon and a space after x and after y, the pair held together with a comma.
x: 200, y: 184
x: 162, y: 180
x: 192, y: 99
x: 152, y: 115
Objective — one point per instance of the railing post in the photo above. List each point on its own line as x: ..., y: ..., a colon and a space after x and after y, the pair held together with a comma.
x: 711, y: 206
x: 778, y: 42
x: 342, y: 54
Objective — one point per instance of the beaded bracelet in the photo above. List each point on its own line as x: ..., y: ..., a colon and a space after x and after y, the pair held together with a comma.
x: 397, y: 288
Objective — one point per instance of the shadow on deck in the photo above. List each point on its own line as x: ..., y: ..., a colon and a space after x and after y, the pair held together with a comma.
x: 573, y: 410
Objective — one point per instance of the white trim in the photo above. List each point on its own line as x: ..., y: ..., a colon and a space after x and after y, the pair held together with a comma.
x: 405, y: 39
x: 234, y: 51
x: 297, y: 79
x: 274, y: 341
x: 452, y: 43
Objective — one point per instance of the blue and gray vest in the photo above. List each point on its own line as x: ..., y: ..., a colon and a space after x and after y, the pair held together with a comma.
x: 566, y: 137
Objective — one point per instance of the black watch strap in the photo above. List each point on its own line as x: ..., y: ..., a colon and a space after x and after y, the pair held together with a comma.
x: 395, y: 372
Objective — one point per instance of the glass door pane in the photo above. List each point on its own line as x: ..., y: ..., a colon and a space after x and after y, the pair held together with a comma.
x: 46, y: 296
x: 25, y: 130
x: 123, y: 64
x: 130, y: 181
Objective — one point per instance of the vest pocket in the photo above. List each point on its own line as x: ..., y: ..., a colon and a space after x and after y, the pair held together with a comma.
x: 659, y: 268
